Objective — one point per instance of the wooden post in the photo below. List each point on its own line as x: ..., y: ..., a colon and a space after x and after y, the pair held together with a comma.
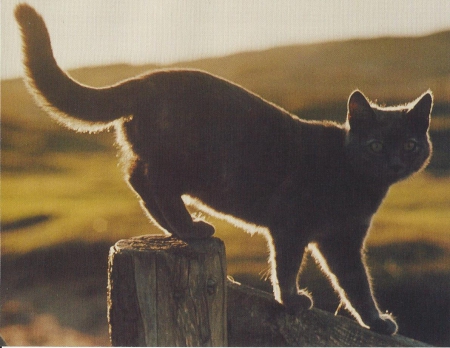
x: 166, y: 292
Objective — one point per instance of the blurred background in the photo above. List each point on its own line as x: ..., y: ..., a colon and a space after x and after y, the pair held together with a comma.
x: 63, y: 198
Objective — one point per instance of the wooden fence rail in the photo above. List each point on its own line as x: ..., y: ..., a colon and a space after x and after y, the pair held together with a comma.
x: 165, y: 292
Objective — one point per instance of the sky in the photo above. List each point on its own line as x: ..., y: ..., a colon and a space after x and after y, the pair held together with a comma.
x: 96, y: 32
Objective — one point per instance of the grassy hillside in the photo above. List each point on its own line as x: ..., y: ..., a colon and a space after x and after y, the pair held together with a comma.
x: 298, y: 77
x: 390, y: 69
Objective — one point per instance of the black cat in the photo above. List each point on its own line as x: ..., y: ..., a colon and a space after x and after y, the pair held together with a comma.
x: 304, y: 184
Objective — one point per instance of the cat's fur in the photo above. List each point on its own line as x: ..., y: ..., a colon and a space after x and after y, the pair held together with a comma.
x: 186, y: 132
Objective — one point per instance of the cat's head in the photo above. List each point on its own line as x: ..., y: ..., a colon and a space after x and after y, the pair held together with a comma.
x: 387, y: 144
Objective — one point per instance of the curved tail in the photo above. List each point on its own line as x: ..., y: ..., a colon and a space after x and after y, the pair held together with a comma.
x: 77, y: 106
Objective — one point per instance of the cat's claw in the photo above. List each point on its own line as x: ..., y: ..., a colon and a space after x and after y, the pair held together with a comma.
x: 298, y: 303
x: 385, y: 324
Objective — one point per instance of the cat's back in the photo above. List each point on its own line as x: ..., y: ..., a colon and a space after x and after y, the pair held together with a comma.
x: 194, y: 103
x: 192, y: 89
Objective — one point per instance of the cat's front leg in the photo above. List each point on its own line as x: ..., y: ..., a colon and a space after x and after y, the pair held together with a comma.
x: 343, y: 260
x: 287, y: 260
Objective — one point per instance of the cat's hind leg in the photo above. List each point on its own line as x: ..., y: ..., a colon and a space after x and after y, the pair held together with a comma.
x: 178, y: 217
x: 161, y: 199
x: 138, y: 180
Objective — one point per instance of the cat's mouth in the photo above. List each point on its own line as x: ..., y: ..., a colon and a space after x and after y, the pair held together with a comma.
x: 395, y: 173
x: 388, y: 174
x: 397, y: 169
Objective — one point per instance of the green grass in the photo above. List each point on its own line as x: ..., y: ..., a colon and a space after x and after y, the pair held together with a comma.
x: 415, y: 210
x: 86, y: 193
x: 87, y: 199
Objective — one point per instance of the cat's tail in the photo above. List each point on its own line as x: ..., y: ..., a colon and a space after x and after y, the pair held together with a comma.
x: 76, y: 106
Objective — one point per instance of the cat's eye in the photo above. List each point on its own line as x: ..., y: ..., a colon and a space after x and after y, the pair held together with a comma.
x: 410, y: 146
x: 375, y: 146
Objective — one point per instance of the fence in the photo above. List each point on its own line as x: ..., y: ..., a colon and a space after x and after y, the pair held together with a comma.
x: 165, y: 292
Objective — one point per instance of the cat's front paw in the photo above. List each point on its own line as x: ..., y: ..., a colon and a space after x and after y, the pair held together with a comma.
x: 298, y: 303
x: 385, y: 325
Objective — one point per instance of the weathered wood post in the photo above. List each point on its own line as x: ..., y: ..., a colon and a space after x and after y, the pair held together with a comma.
x: 166, y: 292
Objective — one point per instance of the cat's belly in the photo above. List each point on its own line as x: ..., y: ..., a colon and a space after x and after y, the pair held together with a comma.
x: 247, y: 224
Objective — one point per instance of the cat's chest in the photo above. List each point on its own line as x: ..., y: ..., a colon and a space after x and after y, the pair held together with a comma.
x: 335, y: 199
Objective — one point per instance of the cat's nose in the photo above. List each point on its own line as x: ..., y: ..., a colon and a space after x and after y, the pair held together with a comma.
x: 396, y: 165
x: 396, y: 168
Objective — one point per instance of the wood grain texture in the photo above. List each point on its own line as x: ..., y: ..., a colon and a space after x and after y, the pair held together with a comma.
x: 256, y: 319
x: 165, y: 292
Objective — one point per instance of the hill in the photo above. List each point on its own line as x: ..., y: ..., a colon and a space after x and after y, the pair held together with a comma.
x: 390, y: 69
x: 304, y: 76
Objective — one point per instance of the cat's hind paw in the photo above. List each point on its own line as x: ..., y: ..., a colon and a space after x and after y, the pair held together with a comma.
x: 202, y: 230
x: 298, y: 303
x: 385, y: 325
x: 199, y: 230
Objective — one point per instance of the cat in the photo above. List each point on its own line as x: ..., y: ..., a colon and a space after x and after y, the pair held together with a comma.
x: 305, y: 184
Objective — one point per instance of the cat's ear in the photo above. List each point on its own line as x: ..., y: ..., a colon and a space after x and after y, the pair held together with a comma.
x: 419, y: 113
x: 359, y: 110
